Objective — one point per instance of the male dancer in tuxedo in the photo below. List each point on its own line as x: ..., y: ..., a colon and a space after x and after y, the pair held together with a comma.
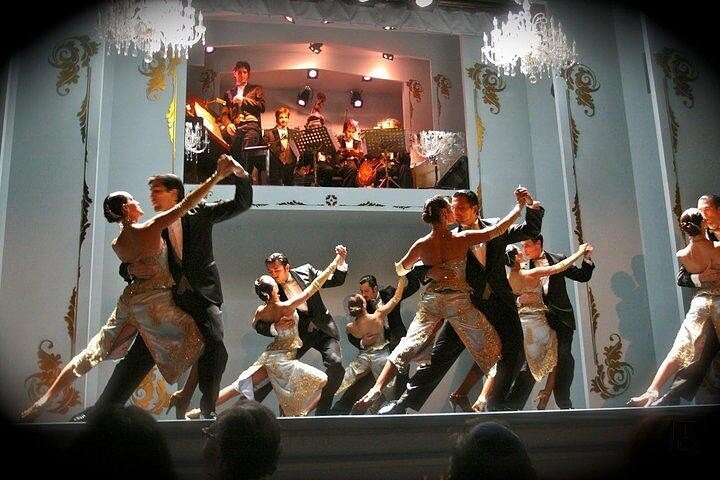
x: 316, y: 326
x: 688, y: 379
x: 394, y: 330
x: 197, y: 289
x: 560, y: 317
x: 241, y: 120
x: 492, y: 295
x: 282, y: 157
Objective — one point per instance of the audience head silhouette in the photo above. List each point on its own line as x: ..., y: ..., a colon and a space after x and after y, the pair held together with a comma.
x: 490, y: 451
x: 243, y: 443
x: 123, y: 442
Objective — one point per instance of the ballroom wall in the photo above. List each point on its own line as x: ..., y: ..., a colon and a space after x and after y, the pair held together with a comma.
x: 78, y: 124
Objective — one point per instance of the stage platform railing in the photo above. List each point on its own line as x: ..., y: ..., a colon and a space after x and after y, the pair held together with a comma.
x: 565, y: 444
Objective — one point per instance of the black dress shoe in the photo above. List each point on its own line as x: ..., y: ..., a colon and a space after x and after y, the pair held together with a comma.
x: 82, y: 416
x: 209, y: 415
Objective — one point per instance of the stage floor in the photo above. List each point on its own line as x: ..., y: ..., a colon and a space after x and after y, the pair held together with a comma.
x: 562, y: 444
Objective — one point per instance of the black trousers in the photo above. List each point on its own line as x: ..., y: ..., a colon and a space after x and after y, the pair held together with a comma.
x: 565, y: 369
x: 361, y: 386
x: 281, y: 174
x: 448, y: 348
x: 130, y: 371
x: 212, y: 362
x: 504, y: 318
x: 353, y: 393
x: 248, y: 134
x: 329, y: 349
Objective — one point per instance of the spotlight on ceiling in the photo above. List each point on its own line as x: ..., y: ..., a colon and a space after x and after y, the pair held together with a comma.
x: 315, y: 47
x: 366, y: 78
x: 209, y: 48
x: 388, y: 56
x: 289, y: 19
x: 327, y: 21
x: 303, y: 97
x: 389, y: 27
x: 356, y: 98
x: 423, y: 3
x: 312, y: 73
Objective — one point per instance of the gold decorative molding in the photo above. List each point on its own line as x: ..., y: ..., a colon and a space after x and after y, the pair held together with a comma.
x: 488, y: 83
x: 582, y: 80
x: 70, y: 56
x: 487, y: 80
x: 157, y: 72
x: 442, y: 87
x: 612, y: 378
x: 415, y: 90
x: 678, y: 70
x: 207, y: 81
x: 39, y: 382
x: 152, y: 393
x: 612, y: 375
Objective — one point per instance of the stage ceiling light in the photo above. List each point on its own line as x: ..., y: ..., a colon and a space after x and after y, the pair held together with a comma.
x: 366, y: 78
x: 209, y: 48
x: 303, y: 97
x: 315, y: 47
x: 312, y: 73
x: 388, y: 56
x: 356, y: 98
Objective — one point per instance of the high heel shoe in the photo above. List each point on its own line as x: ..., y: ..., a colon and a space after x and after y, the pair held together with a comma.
x: 542, y: 399
x: 367, y: 401
x: 31, y: 413
x: 644, y: 400
x: 460, y: 401
x: 480, y: 404
x: 181, y: 404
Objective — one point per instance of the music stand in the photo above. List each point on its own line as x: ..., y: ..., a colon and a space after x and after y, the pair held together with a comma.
x: 385, y: 140
x: 313, y: 140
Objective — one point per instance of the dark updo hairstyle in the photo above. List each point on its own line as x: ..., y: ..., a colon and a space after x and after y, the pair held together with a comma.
x: 690, y: 221
x: 112, y: 206
x: 433, y: 207
x: 263, y: 288
x: 356, y: 305
x: 511, y: 252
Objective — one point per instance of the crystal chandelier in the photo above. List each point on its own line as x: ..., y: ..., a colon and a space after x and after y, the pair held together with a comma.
x: 196, y: 137
x: 531, y: 41
x: 151, y: 26
x: 438, y: 147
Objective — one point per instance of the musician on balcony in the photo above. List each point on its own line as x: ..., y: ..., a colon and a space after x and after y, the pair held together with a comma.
x: 282, y: 156
x: 347, y: 159
x: 241, y: 120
